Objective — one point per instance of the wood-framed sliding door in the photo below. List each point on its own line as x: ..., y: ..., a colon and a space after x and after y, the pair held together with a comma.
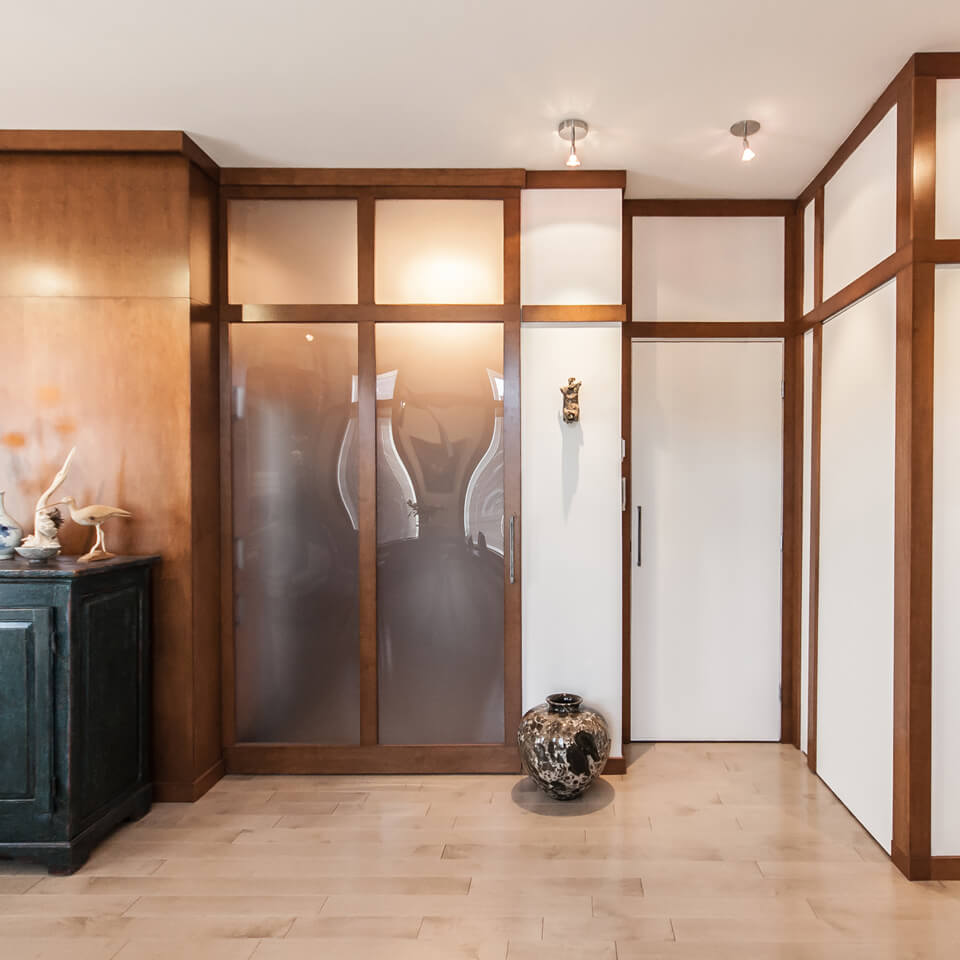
x: 371, y: 554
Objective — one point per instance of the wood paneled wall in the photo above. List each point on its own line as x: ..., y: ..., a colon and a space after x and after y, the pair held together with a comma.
x: 108, y: 333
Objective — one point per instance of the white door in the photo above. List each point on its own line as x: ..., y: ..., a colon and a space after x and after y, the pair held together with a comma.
x: 707, y: 478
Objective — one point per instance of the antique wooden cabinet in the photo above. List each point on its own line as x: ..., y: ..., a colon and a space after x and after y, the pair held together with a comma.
x: 74, y: 705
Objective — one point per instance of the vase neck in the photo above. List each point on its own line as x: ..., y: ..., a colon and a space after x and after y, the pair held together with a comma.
x: 564, y: 703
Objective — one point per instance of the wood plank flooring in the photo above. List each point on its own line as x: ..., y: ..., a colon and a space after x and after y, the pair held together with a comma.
x: 701, y: 852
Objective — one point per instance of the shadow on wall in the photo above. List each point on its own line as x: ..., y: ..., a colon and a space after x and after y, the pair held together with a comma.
x: 571, y: 441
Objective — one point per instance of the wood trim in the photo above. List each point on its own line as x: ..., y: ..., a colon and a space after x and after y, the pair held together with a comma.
x: 366, y: 247
x: 912, y: 693
x: 615, y: 767
x: 512, y: 593
x: 705, y: 330
x: 511, y: 249
x: 576, y: 180
x: 863, y: 129
x: 818, y: 213
x: 926, y: 250
x: 943, y: 65
x: 376, y: 313
x: 373, y: 177
x: 708, y: 208
x: 945, y: 868
x: 367, y: 529
x: 816, y: 392
x: 256, y: 192
x: 598, y: 313
x: 296, y: 758
x: 228, y: 677
x: 170, y: 792
x: 107, y: 141
x: 792, y: 560
x: 626, y: 431
x: 866, y: 283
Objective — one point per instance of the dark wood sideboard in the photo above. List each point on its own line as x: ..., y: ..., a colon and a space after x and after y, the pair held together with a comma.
x: 74, y: 705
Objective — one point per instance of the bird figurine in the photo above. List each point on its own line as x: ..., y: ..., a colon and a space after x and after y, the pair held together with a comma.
x: 95, y: 515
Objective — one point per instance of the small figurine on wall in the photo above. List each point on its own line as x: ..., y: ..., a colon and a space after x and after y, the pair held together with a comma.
x: 571, y: 400
x: 96, y: 515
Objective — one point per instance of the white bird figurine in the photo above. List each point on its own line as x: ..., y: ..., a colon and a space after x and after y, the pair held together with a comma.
x: 94, y: 516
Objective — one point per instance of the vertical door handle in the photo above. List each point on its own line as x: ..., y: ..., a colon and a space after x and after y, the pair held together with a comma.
x: 513, y: 563
x: 639, y: 535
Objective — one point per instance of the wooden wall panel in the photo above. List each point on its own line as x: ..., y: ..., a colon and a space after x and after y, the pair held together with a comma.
x: 86, y: 225
x: 99, y: 257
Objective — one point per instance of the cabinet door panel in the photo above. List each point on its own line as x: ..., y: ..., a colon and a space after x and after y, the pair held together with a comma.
x: 25, y: 711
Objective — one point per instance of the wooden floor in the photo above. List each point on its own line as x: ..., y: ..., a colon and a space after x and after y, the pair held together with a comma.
x: 714, y: 852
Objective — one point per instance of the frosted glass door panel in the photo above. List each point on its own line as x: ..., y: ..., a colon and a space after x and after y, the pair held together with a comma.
x: 439, y: 251
x: 855, y: 620
x: 945, y: 828
x: 440, y: 532
x: 295, y: 532
x: 707, y: 477
x: 292, y: 251
x: 948, y: 159
x: 860, y: 209
x: 724, y: 269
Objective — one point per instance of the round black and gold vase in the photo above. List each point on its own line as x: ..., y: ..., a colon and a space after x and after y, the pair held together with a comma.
x: 563, y: 746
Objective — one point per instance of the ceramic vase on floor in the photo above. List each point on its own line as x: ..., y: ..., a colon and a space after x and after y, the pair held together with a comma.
x: 11, y: 533
x: 563, y: 746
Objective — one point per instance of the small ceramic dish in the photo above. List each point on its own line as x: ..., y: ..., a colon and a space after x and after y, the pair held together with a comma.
x: 37, y: 554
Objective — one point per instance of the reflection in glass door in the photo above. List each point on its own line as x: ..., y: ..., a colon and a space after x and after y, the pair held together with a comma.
x: 440, y: 532
x: 295, y: 532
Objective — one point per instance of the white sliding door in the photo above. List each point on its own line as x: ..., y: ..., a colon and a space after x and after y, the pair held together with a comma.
x: 855, y: 621
x: 707, y: 478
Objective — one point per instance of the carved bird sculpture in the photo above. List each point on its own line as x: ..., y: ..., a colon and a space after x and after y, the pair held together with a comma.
x: 94, y: 516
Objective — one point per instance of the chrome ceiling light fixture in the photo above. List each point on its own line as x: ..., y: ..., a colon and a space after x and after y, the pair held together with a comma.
x: 573, y: 130
x: 742, y: 130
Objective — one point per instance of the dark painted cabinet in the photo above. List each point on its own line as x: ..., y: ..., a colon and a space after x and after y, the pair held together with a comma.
x: 74, y: 705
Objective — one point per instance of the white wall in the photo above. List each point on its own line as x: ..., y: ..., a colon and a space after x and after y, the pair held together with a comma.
x: 809, y: 238
x: 805, y: 540
x: 855, y: 626
x: 570, y: 554
x: 570, y: 244
x: 708, y: 268
x: 860, y: 208
x: 945, y: 824
x: 948, y: 159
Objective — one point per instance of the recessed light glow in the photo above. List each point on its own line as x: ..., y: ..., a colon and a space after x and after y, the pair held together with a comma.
x: 309, y: 338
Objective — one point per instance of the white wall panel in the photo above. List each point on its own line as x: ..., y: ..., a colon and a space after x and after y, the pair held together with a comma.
x: 707, y: 476
x: 570, y: 558
x: 860, y: 208
x: 809, y: 236
x: 708, y: 269
x: 805, y: 541
x: 945, y: 826
x: 855, y: 625
x: 439, y: 251
x: 570, y: 246
x: 948, y: 159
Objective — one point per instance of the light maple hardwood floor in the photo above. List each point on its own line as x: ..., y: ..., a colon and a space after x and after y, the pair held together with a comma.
x: 701, y: 852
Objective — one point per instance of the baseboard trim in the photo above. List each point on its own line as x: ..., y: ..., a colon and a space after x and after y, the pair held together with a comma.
x: 616, y: 766
x: 173, y: 792
x: 945, y: 868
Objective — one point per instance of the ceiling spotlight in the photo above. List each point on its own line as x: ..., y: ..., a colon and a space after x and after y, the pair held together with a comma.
x: 742, y: 130
x: 572, y: 130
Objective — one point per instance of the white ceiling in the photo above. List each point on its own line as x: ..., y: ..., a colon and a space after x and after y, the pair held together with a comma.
x: 437, y: 83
